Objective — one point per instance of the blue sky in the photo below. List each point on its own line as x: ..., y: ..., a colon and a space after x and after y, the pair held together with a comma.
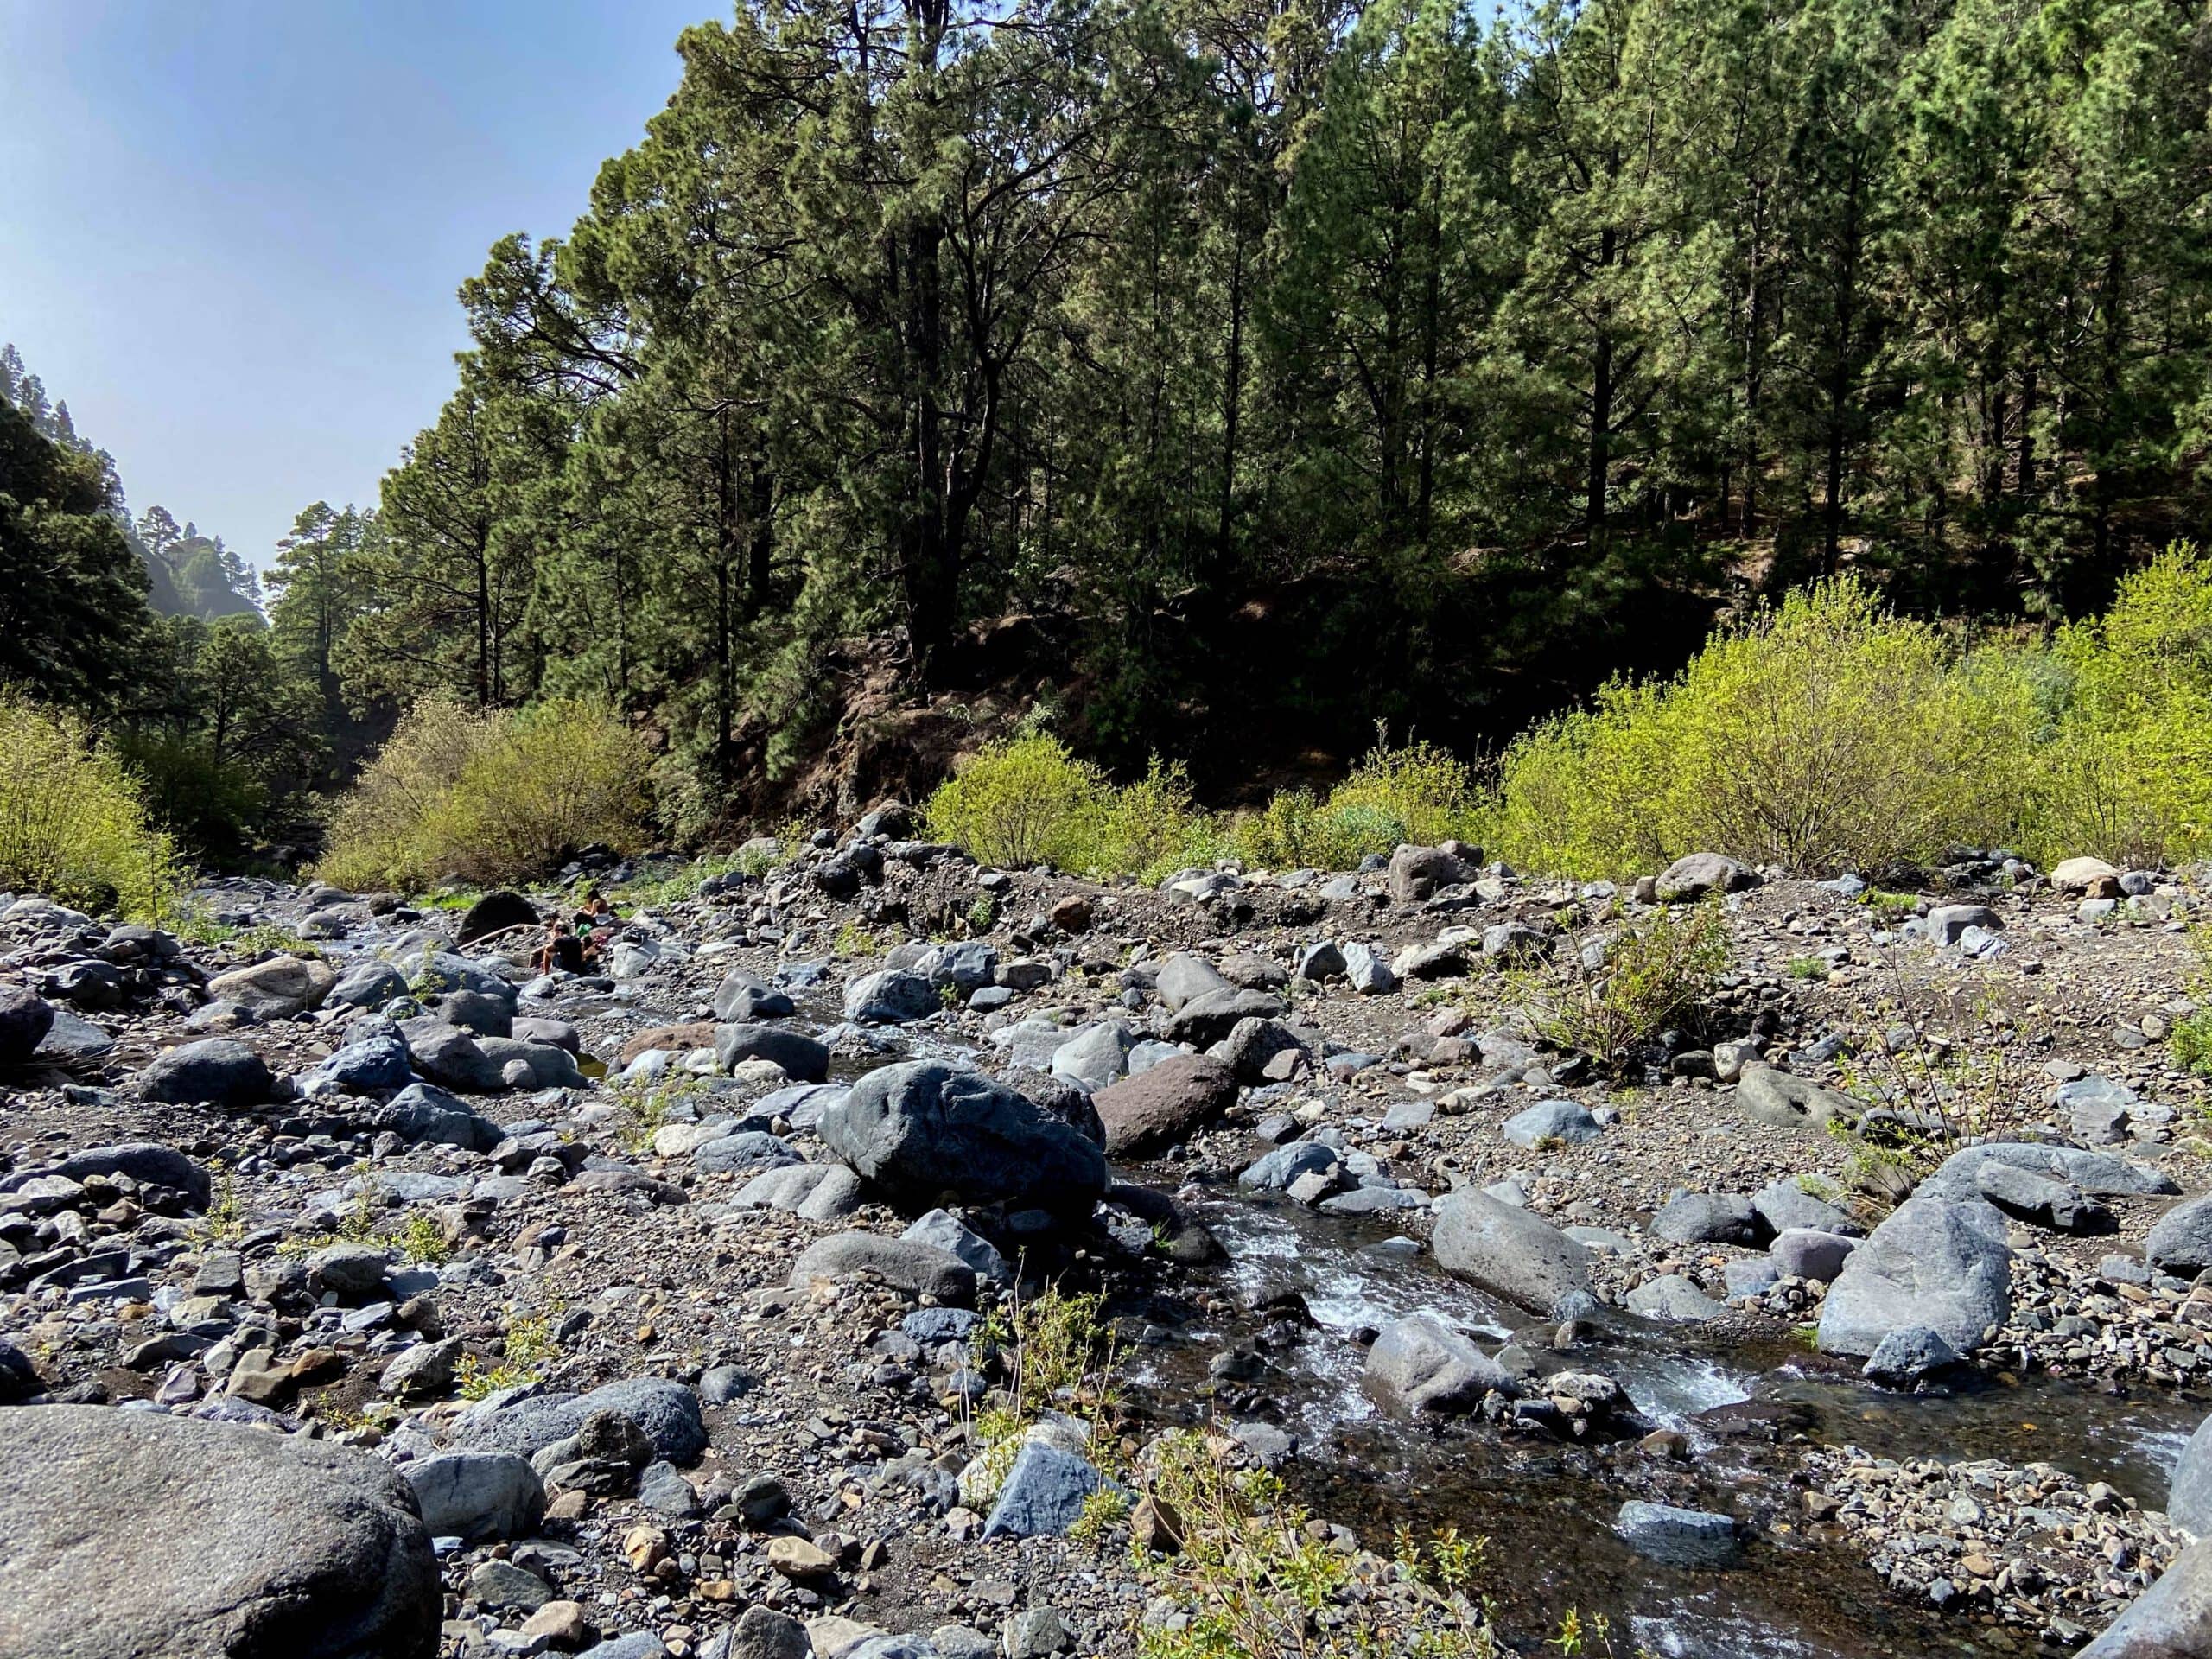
x: 231, y: 230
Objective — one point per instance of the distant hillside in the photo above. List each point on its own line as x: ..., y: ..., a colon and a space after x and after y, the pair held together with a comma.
x: 190, y: 573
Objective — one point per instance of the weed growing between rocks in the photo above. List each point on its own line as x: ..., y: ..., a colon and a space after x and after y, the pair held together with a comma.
x: 1254, y: 1576
x: 1652, y: 976
x: 2190, y: 1040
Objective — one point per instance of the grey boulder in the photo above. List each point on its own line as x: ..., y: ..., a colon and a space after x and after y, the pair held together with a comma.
x: 2189, y: 1501
x: 216, y: 1070
x: 1933, y: 1262
x: 802, y: 1059
x: 474, y: 1496
x: 1508, y: 1252
x: 919, y: 1131
x: 2168, y: 1621
x: 25, y: 1017
x: 1420, y: 1363
x: 133, y: 1535
x: 904, y: 1264
x: 1790, y: 1103
x: 891, y: 997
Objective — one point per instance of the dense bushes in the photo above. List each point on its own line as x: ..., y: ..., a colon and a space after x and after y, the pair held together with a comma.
x: 1028, y: 801
x: 1825, y: 734
x: 2127, y: 771
x: 72, y: 824
x: 1829, y: 734
x: 487, y: 798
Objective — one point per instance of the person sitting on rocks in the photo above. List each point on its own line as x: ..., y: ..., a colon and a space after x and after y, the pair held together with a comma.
x: 562, y: 949
x: 596, y: 926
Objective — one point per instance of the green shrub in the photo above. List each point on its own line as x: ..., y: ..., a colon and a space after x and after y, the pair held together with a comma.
x: 1018, y: 802
x: 1824, y: 734
x: 2126, y: 773
x: 1657, y: 973
x: 488, y: 798
x: 1419, y: 793
x: 73, y: 823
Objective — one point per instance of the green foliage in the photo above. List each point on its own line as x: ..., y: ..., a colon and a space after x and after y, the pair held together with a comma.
x: 1417, y: 793
x: 1654, y: 973
x: 1018, y: 802
x: 1256, y: 1580
x: 2126, y: 773
x: 1824, y: 734
x: 73, y: 824
x: 2190, y: 1040
x: 74, y: 618
x: 487, y: 798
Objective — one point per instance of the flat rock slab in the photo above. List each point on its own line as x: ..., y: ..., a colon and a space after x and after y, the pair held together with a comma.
x: 132, y: 1534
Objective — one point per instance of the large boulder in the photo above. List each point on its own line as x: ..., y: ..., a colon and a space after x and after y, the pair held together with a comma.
x: 1790, y: 1103
x: 918, y: 1131
x: 216, y: 1070
x: 2180, y: 1241
x: 145, y: 1161
x: 277, y: 988
x: 25, y: 1017
x: 498, y: 912
x: 423, y: 1112
x: 1184, y: 978
x: 1508, y: 1252
x: 891, y: 997
x: 2091, y: 877
x: 906, y: 1264
x: 2098, y: 1173
x: 1936, y: 1262
x: 2168, y: 1621
x: 1698, y: 875
x: 802, y: 1059
x: 742, y: 998
x: 1421, y: 1364
x: 1208, y: 1018
x: 526, y: 1422
x: 447, y: 1055
x: 474, y: 1496
x: 134, y: 1535
x: 2188, y: 1500
x: 1158, y: 1108
x: 1420, y: 872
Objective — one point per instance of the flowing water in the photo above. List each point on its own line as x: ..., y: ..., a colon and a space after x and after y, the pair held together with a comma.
x: 1547, y: 1508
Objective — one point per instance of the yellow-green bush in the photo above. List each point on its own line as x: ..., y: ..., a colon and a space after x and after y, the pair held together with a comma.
x: 1825, y: 733
x: 2126, y: 772
x: 488, y: 798
x: 1018, y: 802
x: 1417, y: 793
x: 73, y: 825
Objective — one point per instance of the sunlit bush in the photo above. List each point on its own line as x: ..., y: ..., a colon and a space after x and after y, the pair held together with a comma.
x: 73, y: 824
x: 488, y: 798
x: 1825, y: 734
x: 1018, y: 802
x: 2126, y: 772
x: 1418, y: 793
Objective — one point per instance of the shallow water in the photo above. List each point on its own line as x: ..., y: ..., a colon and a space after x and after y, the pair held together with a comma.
x: 1548, y: 1510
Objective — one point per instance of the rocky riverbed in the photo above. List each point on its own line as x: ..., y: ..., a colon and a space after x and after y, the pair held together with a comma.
x: 365, y: 1292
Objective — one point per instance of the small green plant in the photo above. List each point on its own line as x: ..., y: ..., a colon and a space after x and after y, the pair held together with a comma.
x: 1657, y: 973
x: 1889, y: 904
x: 420, y: 1240
x: 1808, y: 968
x: 2190, y: 1040
x: 854, y: 940
x: 268, y: 939
x: 983, y: 915
x: 1102, y: 1511
x: 477, y: 1381
x: 1256, y: 1580
x: 225, y: 1220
